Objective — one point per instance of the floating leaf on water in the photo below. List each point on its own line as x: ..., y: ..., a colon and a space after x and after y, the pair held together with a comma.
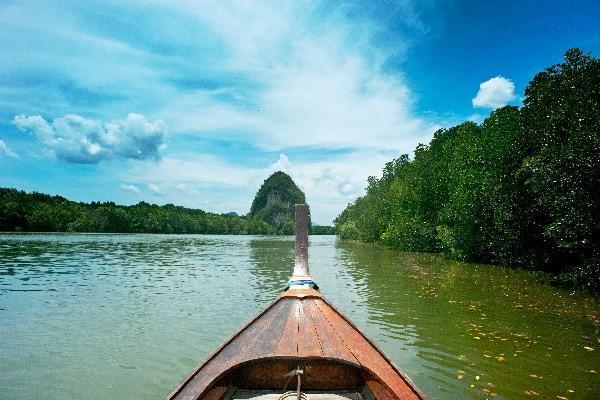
x: 588, y: 348
x: 531, y: 393
x: 570, y: 391
x: 471, y: 385
x: 500, y: 358
x: 562, y: 397
x: 460, y: 376
x: 477, y: 378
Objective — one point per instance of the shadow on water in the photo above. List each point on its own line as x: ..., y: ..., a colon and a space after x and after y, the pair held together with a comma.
x: 478, y: 330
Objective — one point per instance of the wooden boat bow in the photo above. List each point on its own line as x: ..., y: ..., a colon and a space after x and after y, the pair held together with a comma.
x: 300, y: 330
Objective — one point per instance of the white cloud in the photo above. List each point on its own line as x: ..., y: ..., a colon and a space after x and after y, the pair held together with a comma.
x: 307, y: 75
x: 154, y: 188
x: 6, y: 151
x: 495, y: 93
x: 313, y: 83
x: 129, y: 188
x: 75, y: 139
x: 283, y: 164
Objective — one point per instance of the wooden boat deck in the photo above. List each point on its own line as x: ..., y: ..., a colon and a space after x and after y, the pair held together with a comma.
x: 299, y: 324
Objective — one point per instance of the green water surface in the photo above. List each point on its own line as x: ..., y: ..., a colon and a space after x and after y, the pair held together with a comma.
x: 128, y: 316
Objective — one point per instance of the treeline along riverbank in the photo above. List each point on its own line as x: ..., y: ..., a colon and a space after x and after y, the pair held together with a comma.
x: 520, y: 189
x: 38, y: 212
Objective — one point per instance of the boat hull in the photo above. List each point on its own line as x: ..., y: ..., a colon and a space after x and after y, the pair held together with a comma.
x: 300, y: 330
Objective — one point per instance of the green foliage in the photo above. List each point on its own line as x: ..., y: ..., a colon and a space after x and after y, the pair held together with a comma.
x: 321, y: 230
x: 275, y: 200
x: 562, y: 175
x: 37, y: 212
x: 348, y: 231
x: 520, y: 189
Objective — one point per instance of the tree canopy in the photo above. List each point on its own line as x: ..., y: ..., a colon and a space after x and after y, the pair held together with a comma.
x: 37, y: 212
x: 520, y: 189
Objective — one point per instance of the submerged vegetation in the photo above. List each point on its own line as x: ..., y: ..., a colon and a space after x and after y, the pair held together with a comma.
x: 520, y: 189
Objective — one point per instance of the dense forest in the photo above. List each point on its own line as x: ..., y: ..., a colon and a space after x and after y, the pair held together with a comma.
x: 38, y: 212
x: 520, y: 189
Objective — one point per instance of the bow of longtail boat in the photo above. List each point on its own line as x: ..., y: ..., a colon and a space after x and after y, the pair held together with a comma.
x: 300, y: 347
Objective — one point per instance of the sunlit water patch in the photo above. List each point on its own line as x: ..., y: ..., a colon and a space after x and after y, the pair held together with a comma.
x: 128, y: 316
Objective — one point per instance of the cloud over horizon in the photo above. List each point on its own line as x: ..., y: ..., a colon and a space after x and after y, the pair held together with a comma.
x: 75, y: 139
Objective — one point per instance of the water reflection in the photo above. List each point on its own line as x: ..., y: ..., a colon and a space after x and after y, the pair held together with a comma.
x: 272, y: 261
x: 128, y: 316
x: 478, y: 330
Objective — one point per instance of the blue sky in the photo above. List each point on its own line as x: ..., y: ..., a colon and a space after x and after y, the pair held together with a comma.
x: 196, y: 102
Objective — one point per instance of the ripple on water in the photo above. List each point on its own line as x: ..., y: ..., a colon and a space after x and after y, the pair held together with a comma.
x: 128, y: 316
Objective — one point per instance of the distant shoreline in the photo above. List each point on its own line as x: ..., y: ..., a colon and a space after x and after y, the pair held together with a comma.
x: 149, y: 233
x: 38, y: 212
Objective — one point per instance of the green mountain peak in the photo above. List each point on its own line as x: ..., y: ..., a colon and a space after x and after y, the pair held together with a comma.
x: 274, y: 202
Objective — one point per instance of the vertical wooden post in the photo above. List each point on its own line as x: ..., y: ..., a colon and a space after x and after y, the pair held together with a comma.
x: 302, y: 222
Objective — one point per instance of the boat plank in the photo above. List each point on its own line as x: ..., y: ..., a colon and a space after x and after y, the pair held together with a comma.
x: 307, y: 337
x: 332, y: 345
x: 250, y: 343
x: 368, y: 356
x: 267, y: 343
x: 288, y: 346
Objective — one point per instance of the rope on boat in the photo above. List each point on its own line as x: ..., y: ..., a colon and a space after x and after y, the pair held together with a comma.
x: 298, y: 394
x: 301, y: 282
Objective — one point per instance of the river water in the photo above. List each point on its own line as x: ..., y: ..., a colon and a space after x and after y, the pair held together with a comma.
x: 128, y: 316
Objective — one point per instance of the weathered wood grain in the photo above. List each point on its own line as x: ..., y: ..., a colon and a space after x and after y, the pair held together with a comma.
x: 307, y: 338
x: 332, y: 346
x: 251, y: 342
x: 367, y: 354
x: 299, y: 326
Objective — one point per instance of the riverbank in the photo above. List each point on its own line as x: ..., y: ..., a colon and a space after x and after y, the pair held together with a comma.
x: 39, y: 212
x: 518, y: 189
